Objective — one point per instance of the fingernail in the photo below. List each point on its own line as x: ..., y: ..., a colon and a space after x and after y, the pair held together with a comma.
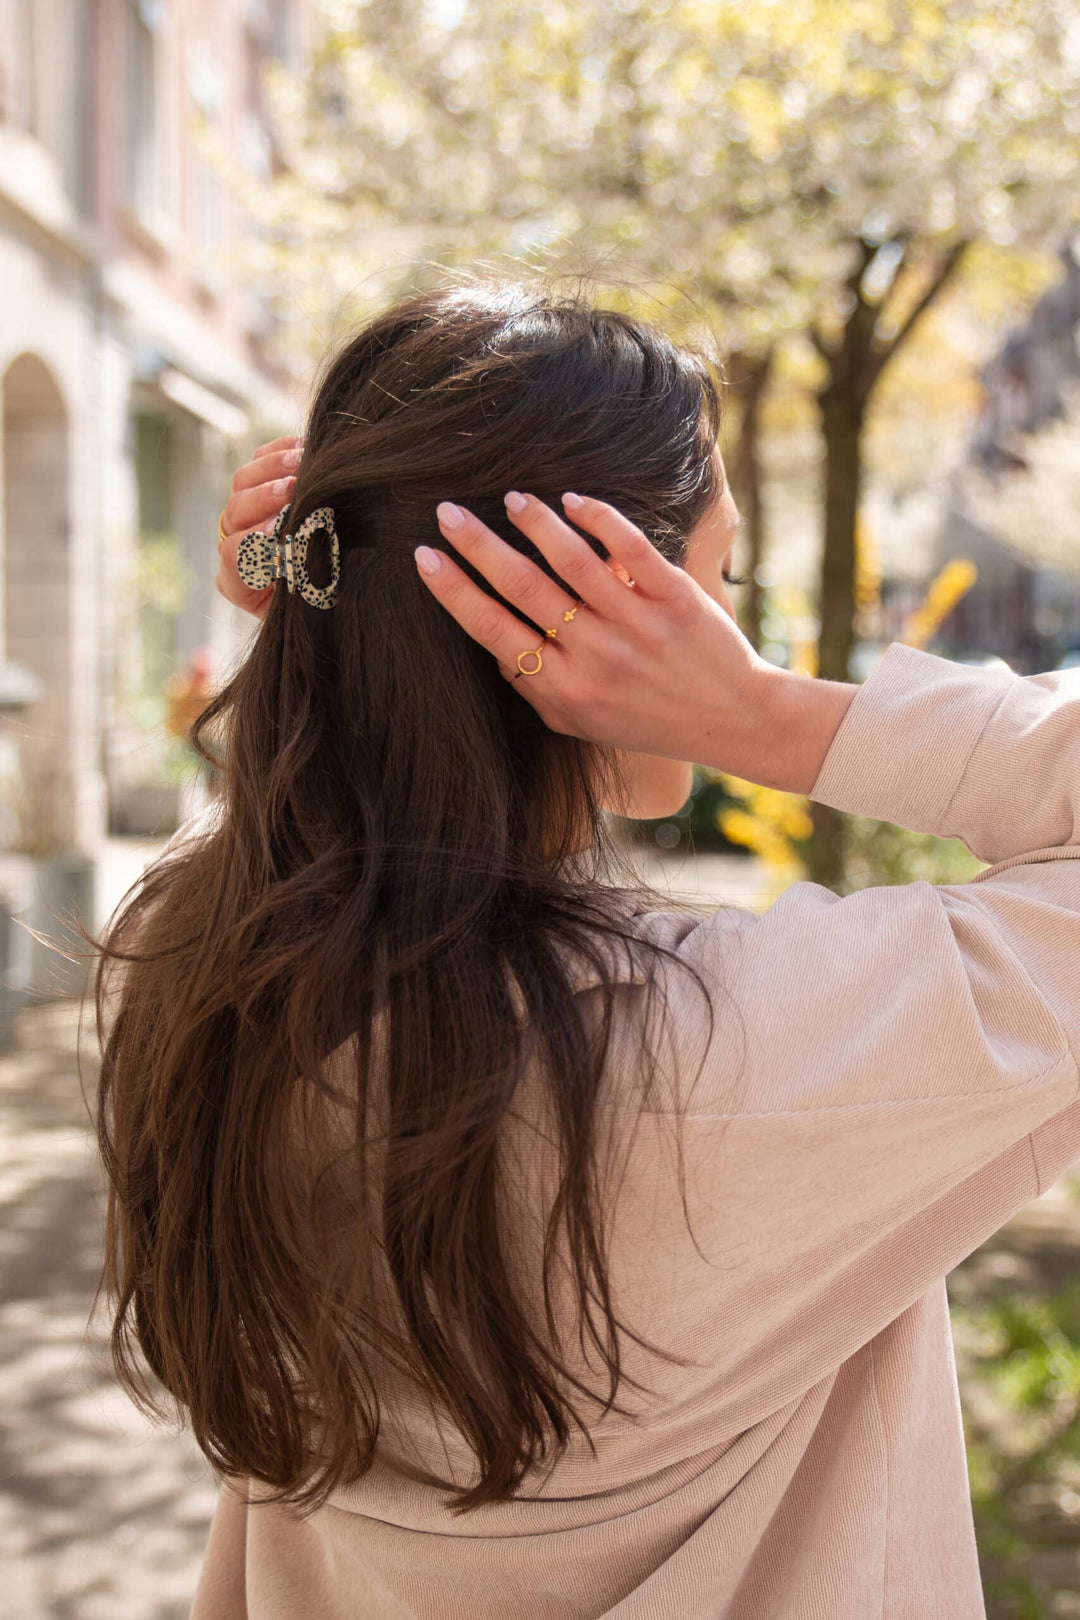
x: 428, y: 561
x: 282, y: 486
x: 515, y: 502
x: 450, y: 516
x: 573, y: 502
x: 291, y: 458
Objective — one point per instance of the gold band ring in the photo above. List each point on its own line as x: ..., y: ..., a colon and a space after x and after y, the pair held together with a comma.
x: 222, y: 536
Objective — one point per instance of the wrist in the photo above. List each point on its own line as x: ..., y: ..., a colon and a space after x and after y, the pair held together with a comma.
x: 803, y: 719
x: 786, y: 726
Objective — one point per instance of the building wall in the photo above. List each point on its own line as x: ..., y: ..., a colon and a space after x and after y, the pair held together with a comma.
x: 1018, y: 610
x: 48, y: 522
x: 122, y: 300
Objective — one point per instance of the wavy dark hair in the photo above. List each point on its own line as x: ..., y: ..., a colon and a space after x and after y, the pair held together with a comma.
x: 316, y: 1011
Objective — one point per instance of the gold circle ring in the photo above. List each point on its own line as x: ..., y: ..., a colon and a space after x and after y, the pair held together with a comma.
x: 222, y: 536
x: 536, y: 652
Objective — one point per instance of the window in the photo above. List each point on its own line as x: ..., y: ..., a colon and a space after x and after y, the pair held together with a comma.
x: 45, y: 83
x: 17, y: 45
x: 161, y: 576
x: 207, y: 198
x: 147, y: 191
x: 273, y: 23
x: 282, y: 40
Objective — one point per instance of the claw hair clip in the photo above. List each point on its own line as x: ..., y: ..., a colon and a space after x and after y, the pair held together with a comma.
x: 264, y: 558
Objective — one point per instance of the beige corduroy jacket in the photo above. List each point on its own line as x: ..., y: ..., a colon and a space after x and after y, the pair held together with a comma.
x: 888, y: 1078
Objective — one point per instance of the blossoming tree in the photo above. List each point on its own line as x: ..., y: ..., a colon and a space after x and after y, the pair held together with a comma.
x: 819, y: 167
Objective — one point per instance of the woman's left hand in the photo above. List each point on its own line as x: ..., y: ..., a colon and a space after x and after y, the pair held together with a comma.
x: 261, y: 487
x: 654, y: 664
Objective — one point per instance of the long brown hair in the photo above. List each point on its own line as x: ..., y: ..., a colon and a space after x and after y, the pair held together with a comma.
x: 315, y: 1014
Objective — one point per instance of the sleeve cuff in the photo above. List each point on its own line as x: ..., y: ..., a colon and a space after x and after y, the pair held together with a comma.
x: 903, y: 746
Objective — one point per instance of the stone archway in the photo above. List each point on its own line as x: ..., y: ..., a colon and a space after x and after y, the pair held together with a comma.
x: 38, y: 631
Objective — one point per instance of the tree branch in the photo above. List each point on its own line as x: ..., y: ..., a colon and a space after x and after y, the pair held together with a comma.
x: 880, y: 357
x: 820, y: 344
x: 839, y: 356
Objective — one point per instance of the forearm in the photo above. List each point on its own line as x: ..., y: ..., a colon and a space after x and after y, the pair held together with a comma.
x: 808, y: 716
x: 782, y: 732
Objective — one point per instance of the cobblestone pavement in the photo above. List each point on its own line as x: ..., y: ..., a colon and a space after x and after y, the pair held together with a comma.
x: 102, y: 1517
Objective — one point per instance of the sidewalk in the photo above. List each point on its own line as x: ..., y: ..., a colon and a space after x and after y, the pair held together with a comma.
x: 727, y: 880
x: 102, y: 1517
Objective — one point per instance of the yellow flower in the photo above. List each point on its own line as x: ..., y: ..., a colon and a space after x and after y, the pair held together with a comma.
x: 768, y: 822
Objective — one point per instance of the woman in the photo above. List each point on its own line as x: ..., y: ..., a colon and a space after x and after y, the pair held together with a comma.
x: 511, y: 1240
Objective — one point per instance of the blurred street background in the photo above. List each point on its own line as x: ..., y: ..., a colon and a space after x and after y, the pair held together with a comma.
x: 870, y: 210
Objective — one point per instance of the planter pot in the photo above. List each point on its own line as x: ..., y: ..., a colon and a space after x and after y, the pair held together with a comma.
x: 59, y: 887
x: 145, y: 810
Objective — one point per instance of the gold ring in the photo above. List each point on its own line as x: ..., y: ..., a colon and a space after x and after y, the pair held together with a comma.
x: 530, y: 652
x: 551, y: 632
x: 569, y: 614
x: 222, y: 536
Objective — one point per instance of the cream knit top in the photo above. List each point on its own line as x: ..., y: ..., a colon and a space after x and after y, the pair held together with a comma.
x: 888, y: 1078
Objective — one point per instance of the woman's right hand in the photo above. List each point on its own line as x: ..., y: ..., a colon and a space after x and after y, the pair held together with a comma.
x: 261, y: 487
x: 654, y: 664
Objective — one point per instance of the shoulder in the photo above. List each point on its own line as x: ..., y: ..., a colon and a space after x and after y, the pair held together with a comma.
x: 660, y: 938
x: 671, y: 1005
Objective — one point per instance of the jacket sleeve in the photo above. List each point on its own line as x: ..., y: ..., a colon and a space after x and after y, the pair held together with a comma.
x: 890, y: 1075
x: 993, y: 759
x: 978, y: 754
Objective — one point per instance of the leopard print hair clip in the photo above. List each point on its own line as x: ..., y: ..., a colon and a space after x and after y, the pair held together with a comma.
x: 263, y: 558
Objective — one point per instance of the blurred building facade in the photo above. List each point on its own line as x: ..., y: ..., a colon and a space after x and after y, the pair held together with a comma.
x: 135, y: 371
x: 1018, y: 610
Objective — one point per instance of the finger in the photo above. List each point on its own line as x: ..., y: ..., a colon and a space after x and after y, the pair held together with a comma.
x: 263, y: 469
x: 232, y: 588
x: 573, y: 559
x: 247, y: 508
x: 515, y: 577
x: 653, y: 575
x: 286, y: 441
x: 480, y: 616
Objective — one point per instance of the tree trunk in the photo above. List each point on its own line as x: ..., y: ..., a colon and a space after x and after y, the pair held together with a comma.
x: 842, y: 423
x: 750, y: 377
x: 842, y: 418
x: 855, y: 365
